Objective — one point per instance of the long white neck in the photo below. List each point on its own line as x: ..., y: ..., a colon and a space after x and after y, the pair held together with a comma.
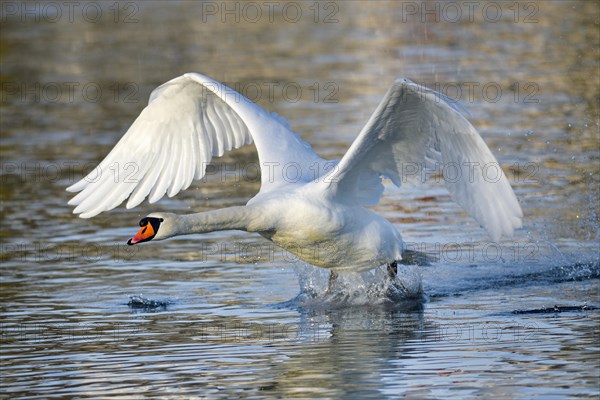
x: 231, y: 218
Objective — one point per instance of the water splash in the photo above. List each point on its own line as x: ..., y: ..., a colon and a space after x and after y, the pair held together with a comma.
x: 352, y: 289
x: 450, y: 280
x: 141, y: 303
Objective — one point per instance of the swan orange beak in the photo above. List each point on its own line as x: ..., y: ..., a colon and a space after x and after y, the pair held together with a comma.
x: 144, y: 234
x: 149, y: 228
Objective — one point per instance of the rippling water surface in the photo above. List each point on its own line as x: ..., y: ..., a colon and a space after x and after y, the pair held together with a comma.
x: 227, y: 314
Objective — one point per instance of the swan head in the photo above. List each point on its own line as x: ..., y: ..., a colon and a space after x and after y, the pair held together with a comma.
x: 156, y: 226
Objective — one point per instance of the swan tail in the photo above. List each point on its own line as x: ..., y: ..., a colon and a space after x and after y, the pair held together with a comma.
x: 414, y: 257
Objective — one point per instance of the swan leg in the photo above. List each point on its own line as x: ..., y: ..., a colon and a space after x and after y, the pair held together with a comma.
x: 392, y: 270
x: 332, y: 278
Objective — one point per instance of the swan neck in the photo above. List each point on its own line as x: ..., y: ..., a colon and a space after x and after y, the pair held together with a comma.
x: 231, y: 218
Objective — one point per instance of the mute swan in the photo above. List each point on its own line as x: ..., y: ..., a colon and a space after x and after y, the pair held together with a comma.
x: 309, y: 206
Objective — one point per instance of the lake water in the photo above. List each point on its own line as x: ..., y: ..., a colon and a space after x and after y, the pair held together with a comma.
x: 229, y: 315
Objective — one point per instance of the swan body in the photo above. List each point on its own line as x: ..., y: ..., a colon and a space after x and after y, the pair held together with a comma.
x: 312, y: 207
x: 328, y: 234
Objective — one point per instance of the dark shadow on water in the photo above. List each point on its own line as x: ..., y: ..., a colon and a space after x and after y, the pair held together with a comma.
x: 557, y: 309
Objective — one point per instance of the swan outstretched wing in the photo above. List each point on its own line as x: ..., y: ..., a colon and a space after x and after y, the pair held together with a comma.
x: 413, y: 128
x: 188, y: 120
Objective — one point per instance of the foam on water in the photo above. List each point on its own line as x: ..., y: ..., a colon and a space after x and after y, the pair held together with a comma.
x: 352, y: 289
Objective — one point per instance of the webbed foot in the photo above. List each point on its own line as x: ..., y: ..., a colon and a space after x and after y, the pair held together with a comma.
x: 332, y: 278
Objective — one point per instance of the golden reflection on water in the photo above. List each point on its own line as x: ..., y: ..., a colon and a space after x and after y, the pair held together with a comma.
x: 543, y: 127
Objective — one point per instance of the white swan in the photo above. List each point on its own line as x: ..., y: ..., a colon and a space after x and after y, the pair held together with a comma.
x: 309, y: 206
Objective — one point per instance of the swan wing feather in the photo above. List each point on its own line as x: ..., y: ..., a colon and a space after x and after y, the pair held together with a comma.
x: 188, y: 121
x: 412, y: 129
